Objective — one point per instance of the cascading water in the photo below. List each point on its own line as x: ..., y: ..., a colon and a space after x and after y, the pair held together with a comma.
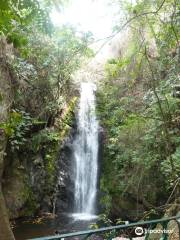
x: 85, y: 148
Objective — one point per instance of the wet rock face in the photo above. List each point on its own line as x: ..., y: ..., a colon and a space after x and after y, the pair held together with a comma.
x: 37, y: 181
x: 101, y: 138
x: 25, y: 185
x: 65, y: 189
x: 28, y: 188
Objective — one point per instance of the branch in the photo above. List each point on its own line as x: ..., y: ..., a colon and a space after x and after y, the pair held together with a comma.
x: 126, y: 24
x: 163, y: 115
x: 176, y: 184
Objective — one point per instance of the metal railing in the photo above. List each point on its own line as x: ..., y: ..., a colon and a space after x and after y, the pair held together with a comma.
x: 113, y: 230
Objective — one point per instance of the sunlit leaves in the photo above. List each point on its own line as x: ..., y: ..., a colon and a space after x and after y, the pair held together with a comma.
x: 16, y: 16
x: 166, y: 169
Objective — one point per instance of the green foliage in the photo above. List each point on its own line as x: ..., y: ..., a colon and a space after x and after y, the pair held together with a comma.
x: 45, y: 68
x: 43, y: 137
x: 104, y: 221
x: 31, y: 204
x: 138, y: 111
x: 48, y: 140
x: 113, y: 67
x: 45, y: 58
x: 165, y: 166
x: 50, y: 163
x: 16, y: 128
x: 39, y: 70
x: 15, y: 16
x: 67, y: 119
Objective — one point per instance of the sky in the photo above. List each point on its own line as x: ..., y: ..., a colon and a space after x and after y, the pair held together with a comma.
x: 88, y: 15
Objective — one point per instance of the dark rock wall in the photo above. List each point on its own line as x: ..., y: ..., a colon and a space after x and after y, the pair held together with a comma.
x: 37, y: 178
x: 99, y: 207
x: 65, y: 190
x: 25, y: 185
x: 6, y: 98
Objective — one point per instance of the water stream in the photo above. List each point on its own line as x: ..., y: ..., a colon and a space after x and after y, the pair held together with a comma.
x: 85, y: 149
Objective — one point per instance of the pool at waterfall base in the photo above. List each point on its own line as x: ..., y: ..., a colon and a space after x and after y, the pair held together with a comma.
x: 27, y: 228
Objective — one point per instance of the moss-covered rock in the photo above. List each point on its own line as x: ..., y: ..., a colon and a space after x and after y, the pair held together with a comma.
x: 32, y: 171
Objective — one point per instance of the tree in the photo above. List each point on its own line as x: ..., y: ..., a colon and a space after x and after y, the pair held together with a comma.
x: 5, y: 104
x: 140, y: 115
x: 37, y: 63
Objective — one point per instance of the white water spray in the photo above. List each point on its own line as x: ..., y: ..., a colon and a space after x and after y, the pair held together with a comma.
x: 86, y: 154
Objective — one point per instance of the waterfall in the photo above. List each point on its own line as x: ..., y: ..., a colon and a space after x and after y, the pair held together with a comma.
x: 85, y: 148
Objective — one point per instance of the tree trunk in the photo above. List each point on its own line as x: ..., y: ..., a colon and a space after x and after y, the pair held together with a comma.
x: 5, y: 229
x: 6, y: 97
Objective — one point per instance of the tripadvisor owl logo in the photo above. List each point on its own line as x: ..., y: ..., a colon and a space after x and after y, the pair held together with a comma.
x: 139, y: 231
